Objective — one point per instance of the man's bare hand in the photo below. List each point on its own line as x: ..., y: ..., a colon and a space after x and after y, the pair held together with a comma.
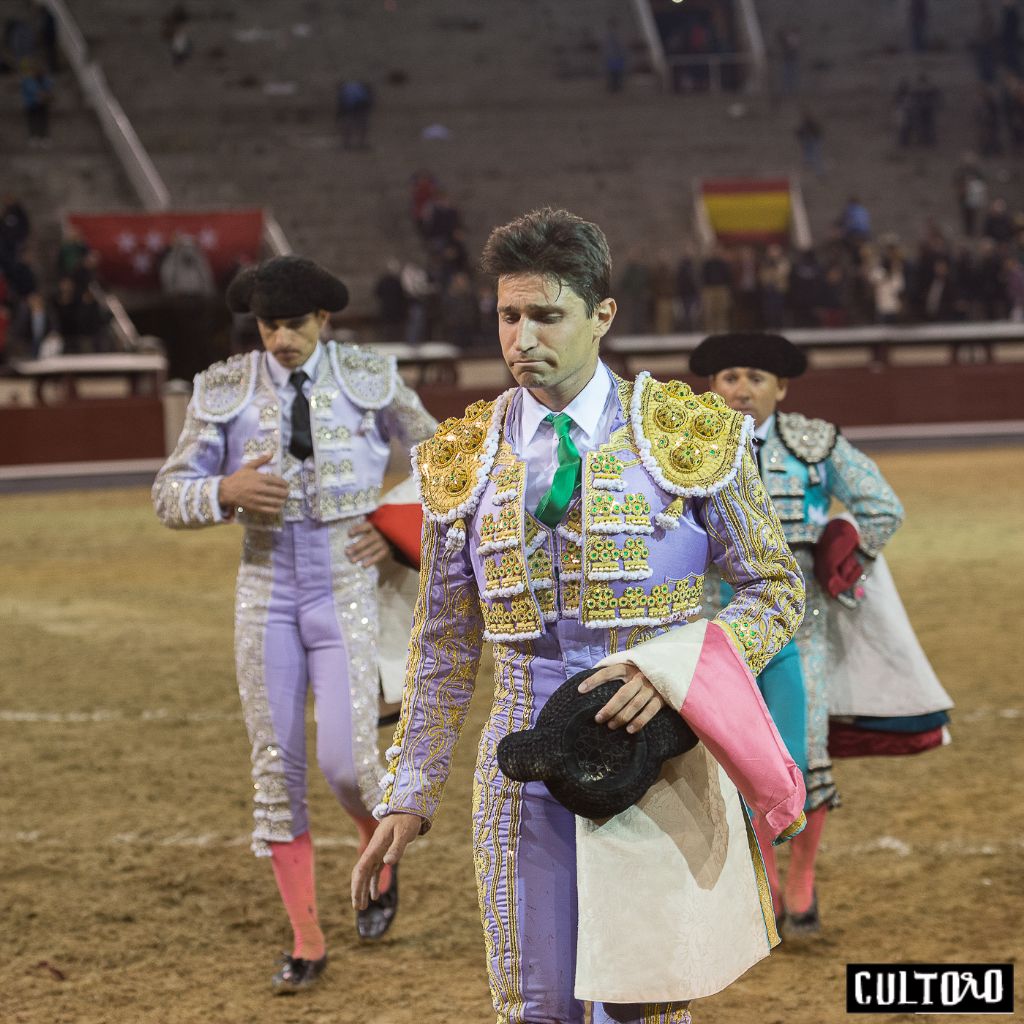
x: 635, y: 702
x: 249, y: 489
x: 388, y: 844
x: 367, y: 545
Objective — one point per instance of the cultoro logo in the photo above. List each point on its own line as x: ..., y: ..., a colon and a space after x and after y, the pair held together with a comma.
x: 929, y: 988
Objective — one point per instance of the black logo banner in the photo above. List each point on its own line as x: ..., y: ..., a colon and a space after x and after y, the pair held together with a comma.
x: 929, y: 988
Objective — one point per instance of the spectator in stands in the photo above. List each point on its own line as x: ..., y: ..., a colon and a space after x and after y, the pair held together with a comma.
x: 176, y: 35
x: 614, y: 57
x: 789, y: 55
x: 32, y: 324
x: 634, y: 292
x: 75, y: 258
x: 1009, y: 36
x: 185, y: 270
x: 460, y: 322
x: 354, y: 106
x: 746, y: 301
x: 773, y: 278
x: 855, y: 222
x: 991, y: 298
x: 392, y: 305
x: 66, y: 305
x: 93, y: 324
x: 971, y: 192
x: 36, y: 97
x: 885, y: 274
x: 805, y: 288
x: 918, y: 12
x: 1013, y: 274
x: 809, y: 134
x: 985, y: 43
x: 1013, y: 110
x: 832, y: 310
x: 423, y: 191
x: 21, y: 40
x: 441, y: 222
x: 687, y: 292
x: 988, y: 121
x: 716, y: 291
x: 419, y: 290
x: 942, y: 301
x: 998, y: 224
x: 15, y: 228
x: 46, y: 32
x: 663, y: 293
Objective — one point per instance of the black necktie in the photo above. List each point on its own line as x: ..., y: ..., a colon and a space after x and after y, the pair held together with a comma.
x: 302, y: 438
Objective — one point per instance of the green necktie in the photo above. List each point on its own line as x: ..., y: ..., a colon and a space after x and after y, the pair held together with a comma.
x: 567, y: 477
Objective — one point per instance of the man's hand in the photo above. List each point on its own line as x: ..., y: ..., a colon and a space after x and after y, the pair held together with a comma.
x: 388, y: 844
x: 367, y: 545
x: 249, y: 489
x: 635, y: 703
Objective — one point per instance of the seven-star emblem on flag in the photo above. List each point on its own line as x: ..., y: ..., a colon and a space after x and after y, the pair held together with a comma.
x: 126, y: 241
x: 208, y: 238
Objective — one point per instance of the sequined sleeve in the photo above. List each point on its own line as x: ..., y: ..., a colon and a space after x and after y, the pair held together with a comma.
x: 858, y: 483
x: 185, y: 492
x: 444, y: 655
x: 750, y: 551
x: 405, y: 418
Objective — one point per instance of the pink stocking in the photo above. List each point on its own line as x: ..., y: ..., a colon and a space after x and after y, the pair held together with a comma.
x: 803, y: 853
x: 293, y: 870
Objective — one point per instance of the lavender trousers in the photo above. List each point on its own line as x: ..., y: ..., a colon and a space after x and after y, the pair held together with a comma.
x: 525, y: 852
x: 306, y: 619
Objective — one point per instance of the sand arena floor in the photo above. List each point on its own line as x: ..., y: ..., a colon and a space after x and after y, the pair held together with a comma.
x: 128, y: 891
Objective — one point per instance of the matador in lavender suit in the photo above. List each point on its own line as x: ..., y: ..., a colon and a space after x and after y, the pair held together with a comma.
x: 570, y: 524
x: 293, y: 442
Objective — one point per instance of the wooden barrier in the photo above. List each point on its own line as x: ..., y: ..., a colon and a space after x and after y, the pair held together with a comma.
x: 92, y: 431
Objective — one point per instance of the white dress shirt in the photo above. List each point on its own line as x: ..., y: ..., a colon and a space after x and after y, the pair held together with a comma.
x: 592, y: 412
x: 281, y: 375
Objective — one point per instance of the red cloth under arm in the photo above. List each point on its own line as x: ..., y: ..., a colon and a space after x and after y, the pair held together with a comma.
x: 401, y: 526
x: 836, y: 566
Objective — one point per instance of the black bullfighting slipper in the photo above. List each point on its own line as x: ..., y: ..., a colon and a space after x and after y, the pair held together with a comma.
x: 296, y: 974
x: 806, y: 925
x: 376, y: 919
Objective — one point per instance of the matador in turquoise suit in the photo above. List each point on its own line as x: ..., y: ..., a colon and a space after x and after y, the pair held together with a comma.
x: 805, y: 464
x: 570, y: 523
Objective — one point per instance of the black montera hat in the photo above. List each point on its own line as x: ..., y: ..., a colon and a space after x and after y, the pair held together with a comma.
x: 285, y: 287
x: 594, y: 771
x: 771, y: 352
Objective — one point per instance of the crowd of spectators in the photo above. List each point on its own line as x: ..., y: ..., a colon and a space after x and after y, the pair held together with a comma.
x: 435, y: 294
x: 36, y: 321
x: 852, y: 277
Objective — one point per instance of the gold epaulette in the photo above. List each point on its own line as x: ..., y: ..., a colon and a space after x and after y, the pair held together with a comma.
x: 811, y: 441
x: 691, y: 444
x: 223, y: 390
x: 451, y: 468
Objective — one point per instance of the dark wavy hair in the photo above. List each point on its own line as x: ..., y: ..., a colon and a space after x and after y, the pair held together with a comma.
x: 555, y: 243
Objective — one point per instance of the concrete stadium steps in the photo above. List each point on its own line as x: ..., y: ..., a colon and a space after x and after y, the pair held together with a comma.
x: 528, y: 123
x: 78, y: 170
